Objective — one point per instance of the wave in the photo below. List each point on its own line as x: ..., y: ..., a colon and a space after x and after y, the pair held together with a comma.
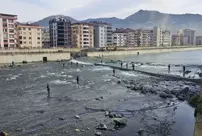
x: 80, y: 62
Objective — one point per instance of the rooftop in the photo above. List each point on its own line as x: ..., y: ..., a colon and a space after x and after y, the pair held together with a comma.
x: 10, y: 15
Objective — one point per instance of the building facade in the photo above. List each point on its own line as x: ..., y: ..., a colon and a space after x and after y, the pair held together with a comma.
x: 8, y: 31
x: 102, y: 34
x: 144, y: 37
x: 29, y: 36
x: 176, y: 40
x: 82, y: 35
x: 161, y: 37
x: 191, y: 36
x: 119, y: 38
x: 45, y: 38
x: 60, y: 32
x: 199, y: 40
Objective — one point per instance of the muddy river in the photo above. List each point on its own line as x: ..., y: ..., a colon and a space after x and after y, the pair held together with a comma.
x: 75, y: 109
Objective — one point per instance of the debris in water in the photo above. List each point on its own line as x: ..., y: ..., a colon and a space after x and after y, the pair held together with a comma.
x: 77, y: 116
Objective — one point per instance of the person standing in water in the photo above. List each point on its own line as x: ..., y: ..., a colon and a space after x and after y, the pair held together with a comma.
x: 77, y: 79
x: 114, y: 72
x: 121, y: 64
x: 48, y: 89
x: 169, y: 68
x: 133, y: 66
x: 127, y: 65
x: 77, y: 64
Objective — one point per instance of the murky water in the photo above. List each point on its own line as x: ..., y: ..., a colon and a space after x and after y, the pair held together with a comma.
x: 26, y: 109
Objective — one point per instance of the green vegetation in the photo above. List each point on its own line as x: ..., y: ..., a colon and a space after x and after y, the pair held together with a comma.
x: 196, y: 102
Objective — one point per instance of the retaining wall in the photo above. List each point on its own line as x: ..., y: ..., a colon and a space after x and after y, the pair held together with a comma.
x: 141, y: 51
x: 18, y: 58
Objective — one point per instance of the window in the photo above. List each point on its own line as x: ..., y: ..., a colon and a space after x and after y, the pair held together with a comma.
x: 38, y: 29
x: 11, y: 36
x: 24, y: 37
x: 11, y: 31
x: 12, y: 41
x: 38, y: 38
x: 24, y: 42
x: 4, y: 20
x: 30, y: 38
x: 4, y: 25
x: 20, y: 42
x: 5, y: 40
x: 29, y: 28
x: 30, y: 33
x: 24, y: 28
x: 10, y: 21
x: 11, y: 26
x: 24, y: 33
x: 38, y: 42
x: 5, y: 30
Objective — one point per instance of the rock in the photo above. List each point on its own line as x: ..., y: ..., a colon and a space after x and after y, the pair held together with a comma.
x: 77, y: 130
x: 101, y: 97
x: 111, y: 115
x: 77, y: 116
x: 98, y: 99
x: 120, y: 121
x: 163, y: 95
x: 101, y: 126
x: 61, y: 118
x: 98, y: 133
x: 181, y: 98
x: 106, y: 113
x: 88, y: 128
x: 185, y: 90
x: 140, y: 132
x: 174, y: 92
x: 144, y: 92
x: 20, y: 129
x: 119, y: 82
x: 118, y: 115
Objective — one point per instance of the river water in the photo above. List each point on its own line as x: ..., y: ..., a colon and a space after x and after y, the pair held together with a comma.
x: 27, y: 110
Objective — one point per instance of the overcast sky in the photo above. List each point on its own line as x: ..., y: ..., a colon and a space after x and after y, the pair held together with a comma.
x: 33, y: 10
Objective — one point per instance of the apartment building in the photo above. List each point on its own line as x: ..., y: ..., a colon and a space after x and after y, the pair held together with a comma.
x: 102, y: 34
x: 143, y: 37
x: 29, y: 35
x: 7, y: 31
x: 190, y: 34
x: 119, y: 38
x: 82, y: 35
x: 161, y: 37
x: 199, y: 40
x: 60, y: 32
x: 176, y: 40
x: 45, y: 38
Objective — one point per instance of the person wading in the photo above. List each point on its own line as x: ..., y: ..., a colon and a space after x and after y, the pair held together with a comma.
x: 127, y: 65
x: 133, y: 67
x: 121, y: 64
x: 114, y: 72
x: 48, y: 89
x: 77, y: 79
x: 77, y: 64
x: 169, y: 68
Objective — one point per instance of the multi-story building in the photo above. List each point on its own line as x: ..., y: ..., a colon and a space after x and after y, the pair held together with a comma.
x: 60, y: 32
x: 166, y: 38
x: 7, y: 31
x: 119, y: 38
x: 102, y: 34
x: 82, y: 35
x: 144, y: 37
x: 161, y: 37
x: 191, y: 36
x: 29, y: 36
x: 45, y: 38
x: 199, y: 40
x: 176, y: 40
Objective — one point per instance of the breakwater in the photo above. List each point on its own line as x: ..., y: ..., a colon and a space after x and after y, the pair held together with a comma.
x: 142, y: 51
x: 167, y: 76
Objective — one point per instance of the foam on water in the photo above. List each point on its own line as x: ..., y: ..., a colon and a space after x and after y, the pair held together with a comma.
x: 59, y: 82
x: 80, y: 62
x: 128, y: 74
x: 99, y: 68
x: 13, y: 77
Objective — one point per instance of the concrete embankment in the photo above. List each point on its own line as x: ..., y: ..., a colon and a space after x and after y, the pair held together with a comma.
x: 32, y: 57
x: 142, y: 51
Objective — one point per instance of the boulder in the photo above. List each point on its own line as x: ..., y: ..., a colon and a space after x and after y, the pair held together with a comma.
x: 101, y: 126
x: 98, y: 133
x: 163, y: 95
x: 120, y: 121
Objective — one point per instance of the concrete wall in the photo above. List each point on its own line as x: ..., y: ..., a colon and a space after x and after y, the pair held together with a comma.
x: 132, y: 52
x: 18, y: 58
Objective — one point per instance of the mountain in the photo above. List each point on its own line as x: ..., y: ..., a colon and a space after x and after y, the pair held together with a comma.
x: 45, y: 21
x: 147, y: 19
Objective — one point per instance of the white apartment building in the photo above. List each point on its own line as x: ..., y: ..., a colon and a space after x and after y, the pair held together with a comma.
x: 119, y: 38
x: 102, y: 34
x: 7, y: 31
x: 176, y: 40
x: 161, y: 37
